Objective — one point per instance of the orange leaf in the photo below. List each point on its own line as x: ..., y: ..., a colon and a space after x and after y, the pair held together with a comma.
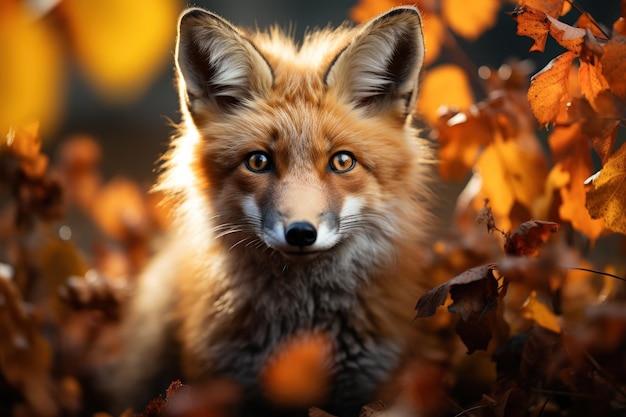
x: 444, y: 85
x: 461, y: 136
x: 534, y: 24
x: 567, y: 36
x: 607, y: 198
x: 572, y: 154
x: 613, y: 62
x: 549, y: 87
x: 552, y: 8
x: 535, y: 310
x: 470, y: 18
x: 513, y: 173
x: 31, y: 81
x: 591, y: 81
x: 122, y: 44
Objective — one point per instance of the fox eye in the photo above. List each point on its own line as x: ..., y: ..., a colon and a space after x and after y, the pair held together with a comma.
x: 342, y: 162
x: 258, y: 161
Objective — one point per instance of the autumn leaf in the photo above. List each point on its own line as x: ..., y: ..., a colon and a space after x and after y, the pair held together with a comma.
x: 572, y: 154
x: 533, y: 24
x: 592, y: 82
x: 569, y: 37
x: 462, y: 136
x: 478, y: 280
x: 470, y: 19
x: 535, y: 310
x: 507, y: 181
x: 31, y: 81
x: 120, y: 44
x: 613, y: 62
x: 553, y: 8
x: 529, y: 237
x: 607, y: 198
x: 477, y: 330
x: 549, y: 87
x: 444, y: 86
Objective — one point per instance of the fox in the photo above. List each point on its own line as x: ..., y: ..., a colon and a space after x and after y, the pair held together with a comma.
x: 301, y: 187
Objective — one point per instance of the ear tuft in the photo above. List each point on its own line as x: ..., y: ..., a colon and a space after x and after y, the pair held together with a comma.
x: 217, y: 66
x: 380, y: 68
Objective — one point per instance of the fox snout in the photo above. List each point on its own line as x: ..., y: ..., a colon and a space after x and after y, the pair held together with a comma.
x: 300, y: 234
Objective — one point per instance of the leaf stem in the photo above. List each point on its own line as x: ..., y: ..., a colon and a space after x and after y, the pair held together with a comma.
x: 591, y: 18
x: 577, y: 268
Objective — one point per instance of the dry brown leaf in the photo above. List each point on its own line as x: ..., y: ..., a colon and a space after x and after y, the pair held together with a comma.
x: 607, y: 198
x: 529, y: 237
x: 430, y: 301
x: 122, y: 44
x: 445, y: 85
x: 25, y: 355
x: 613, y: 62
x: 470, y: 19
x: 549, y: 87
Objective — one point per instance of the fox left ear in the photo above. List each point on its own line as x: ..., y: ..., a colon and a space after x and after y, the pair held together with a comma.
x: 380, y: 67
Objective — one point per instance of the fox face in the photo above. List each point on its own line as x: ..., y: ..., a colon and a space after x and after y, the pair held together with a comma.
x: 298, y: 150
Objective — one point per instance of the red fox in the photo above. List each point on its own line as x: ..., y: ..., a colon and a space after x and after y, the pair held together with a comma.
x: 302, y: 192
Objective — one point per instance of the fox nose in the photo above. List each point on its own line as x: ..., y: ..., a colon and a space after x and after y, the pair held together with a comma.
x: 300, y: 234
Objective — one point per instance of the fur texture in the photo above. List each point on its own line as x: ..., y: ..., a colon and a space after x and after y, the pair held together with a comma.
x: 301, y: 192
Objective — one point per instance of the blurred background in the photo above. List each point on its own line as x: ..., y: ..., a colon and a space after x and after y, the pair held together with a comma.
x: 105, y: 68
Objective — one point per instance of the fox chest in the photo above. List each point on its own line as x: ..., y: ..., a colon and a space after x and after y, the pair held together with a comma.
x: 314, y: 328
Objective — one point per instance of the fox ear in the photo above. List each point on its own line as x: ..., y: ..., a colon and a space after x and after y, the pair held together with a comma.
x: 380, y: 67
x: 217, y: 66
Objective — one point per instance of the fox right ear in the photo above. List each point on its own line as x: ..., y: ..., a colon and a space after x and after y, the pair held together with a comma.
x: 379, y: 69
x: 217, y: 66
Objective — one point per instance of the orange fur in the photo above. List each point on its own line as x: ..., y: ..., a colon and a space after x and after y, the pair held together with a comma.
x: 302, y: 192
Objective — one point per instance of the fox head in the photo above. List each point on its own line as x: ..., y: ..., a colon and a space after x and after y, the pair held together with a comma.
x: 299, y: 151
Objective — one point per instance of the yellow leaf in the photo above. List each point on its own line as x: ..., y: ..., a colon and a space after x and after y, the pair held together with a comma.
x: 535, y: 310
x: 444, y: 85
x: 122, y: 44
x: 549, y: 87
x: 470, y: 18
x: 31, y: 82
x: 513, y: 171
x: 607, y: 198
x: 572, y: 153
